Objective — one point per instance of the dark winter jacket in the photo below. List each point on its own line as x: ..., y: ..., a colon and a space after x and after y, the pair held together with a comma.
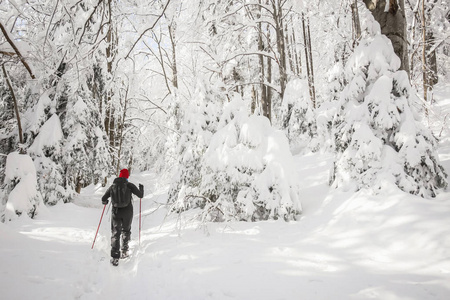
x: 138, y: 192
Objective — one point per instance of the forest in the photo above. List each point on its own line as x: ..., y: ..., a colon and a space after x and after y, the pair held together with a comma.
x: 217, y: 97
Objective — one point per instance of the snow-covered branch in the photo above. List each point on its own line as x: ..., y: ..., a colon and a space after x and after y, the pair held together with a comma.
x: 148, y: 29
x: 16, y: 50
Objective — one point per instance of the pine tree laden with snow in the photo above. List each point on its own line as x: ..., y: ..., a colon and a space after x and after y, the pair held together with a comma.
x: 198, y: 121
x: 247, y: 171
x: 47, y: 152
x: 297, y: 114
x: 379, y: 138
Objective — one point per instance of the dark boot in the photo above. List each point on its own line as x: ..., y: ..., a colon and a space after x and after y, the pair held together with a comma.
x: 115, y: 261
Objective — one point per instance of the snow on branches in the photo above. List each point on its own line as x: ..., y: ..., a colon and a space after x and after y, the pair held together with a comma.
x: 246, y: 173
x: 379, y: 138
x: 297, y: 114
x: 22, y: 195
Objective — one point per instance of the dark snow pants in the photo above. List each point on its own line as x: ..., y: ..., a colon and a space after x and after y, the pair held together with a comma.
x: 120, y: 229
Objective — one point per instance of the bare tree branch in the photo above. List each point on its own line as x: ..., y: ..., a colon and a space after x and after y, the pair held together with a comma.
x: 22, y: 59
x: 87, y: 20
x: 148, y: 29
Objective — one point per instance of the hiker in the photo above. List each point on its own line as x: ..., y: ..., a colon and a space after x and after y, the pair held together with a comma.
x: 122, y: 213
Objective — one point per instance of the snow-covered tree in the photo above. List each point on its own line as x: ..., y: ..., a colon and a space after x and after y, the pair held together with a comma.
x: 198, y: 123
x: 238, y: 169
x: 47, y: 152
x: 247, y: 172
x: 379, y: 137
x: 298, y: 115
x: 85, y: 157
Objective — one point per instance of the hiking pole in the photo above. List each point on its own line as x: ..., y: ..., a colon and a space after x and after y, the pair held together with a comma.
x: 140, y: 209
x: 98, y: 226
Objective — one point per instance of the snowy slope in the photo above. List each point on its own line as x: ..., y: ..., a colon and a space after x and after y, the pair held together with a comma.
x: 345, y: 246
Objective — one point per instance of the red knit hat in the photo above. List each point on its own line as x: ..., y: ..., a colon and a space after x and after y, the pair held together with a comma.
x: 124, y: 173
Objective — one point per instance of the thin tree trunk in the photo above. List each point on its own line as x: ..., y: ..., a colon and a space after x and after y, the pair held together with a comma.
x: 430, y: 52
x: 16, y: 108
x: 254, y: 99
x: 78, y: 184
x: 278, y: 18
x: 110, y: 51
x: 308, y: 59
x: 424, y: 55
x: 174, y: 58
x: 269, y: 80
x: 297, y: 54
x: 122, y: 125
x: 289, y: 49
x: 262, y: 76
x: 355, y: 22
x: 312, y: 86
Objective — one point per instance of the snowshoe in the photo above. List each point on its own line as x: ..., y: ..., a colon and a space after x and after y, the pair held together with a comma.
x: 115, y: 262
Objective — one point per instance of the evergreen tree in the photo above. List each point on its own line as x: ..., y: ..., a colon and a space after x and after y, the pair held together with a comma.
x: 85, y: 157
x: 247, y: 171
x: 378, y: 135
x: 298, y: 114
x: 198, y: 123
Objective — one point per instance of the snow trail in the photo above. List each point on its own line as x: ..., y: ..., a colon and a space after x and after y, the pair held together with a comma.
x: 346, y: 246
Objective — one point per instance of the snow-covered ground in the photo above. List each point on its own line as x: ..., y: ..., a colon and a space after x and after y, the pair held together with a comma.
x: 345, y: 246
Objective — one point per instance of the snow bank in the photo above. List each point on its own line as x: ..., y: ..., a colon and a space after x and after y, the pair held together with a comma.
x: 20, y: 176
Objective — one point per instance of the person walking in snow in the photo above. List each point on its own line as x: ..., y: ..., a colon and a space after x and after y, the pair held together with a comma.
x: 122, y: 213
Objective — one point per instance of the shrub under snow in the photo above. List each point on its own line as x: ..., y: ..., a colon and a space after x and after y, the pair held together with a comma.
x: 20, y: 178
x: 247, y: 172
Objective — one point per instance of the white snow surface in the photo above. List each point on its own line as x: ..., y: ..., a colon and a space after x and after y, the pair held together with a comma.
x: 345, y: 246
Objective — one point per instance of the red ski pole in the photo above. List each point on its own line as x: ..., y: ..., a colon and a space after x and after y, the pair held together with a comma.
x: 98, y: 226
x: 140, y: 209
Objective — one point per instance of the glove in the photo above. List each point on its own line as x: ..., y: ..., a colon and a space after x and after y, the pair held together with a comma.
x: 141, y: 188
x: 105, y: 202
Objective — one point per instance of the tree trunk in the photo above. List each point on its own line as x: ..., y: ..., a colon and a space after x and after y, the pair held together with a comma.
x: 311, y: 77
x: 278, y: 19
x: 268, y: 106
x: 254, y: 99
x: 308, y: 59
x: 355, y: 22
x: 174, y: 57
x: 262, y: 77
x: 393, y: 24
x: 429, y: 59
x: 16, y: 108
x: 110, y: 54
x: 78, y: 184
x: 297, y: 53
x: 290, y: 49
x: 122, y: 125
x: 424, y: 55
